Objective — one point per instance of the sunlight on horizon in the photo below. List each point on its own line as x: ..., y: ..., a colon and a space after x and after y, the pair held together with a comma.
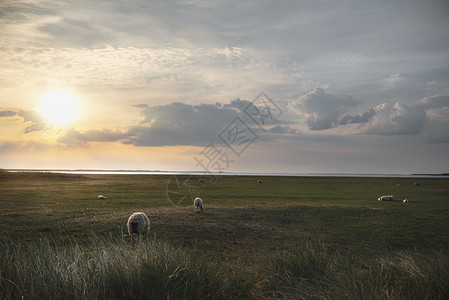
x: 60, y: 107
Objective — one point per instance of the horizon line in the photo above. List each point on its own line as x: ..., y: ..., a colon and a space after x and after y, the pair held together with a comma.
x: 171, y: 172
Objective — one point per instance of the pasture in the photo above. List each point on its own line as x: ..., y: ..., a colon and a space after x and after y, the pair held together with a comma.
x: 284, y: 238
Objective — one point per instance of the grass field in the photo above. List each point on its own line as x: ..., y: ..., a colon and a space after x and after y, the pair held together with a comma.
x: 286, y: 238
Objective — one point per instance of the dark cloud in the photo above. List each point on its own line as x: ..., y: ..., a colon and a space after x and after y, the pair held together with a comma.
x: 177, y: 124
x: 321, y: 110
x: 283, y: 130
x: 238, y: 104
x: 365, y: 117
x: 32, y: 119
x: 180, y: 124
x: 7, y: 113
x: 184, y: 124
x: 164, y: 125
x: 140, y: 105
x: 35, y: 127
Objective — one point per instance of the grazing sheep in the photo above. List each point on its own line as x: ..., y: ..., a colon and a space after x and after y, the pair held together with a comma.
x: 198, y: 203
x: 202, y: 181
x: 417, y: 184
x: 101, y: 197
x: 138, y: 223
x: 385, y: 198
x: 259, y: 181
x: 405, y: 200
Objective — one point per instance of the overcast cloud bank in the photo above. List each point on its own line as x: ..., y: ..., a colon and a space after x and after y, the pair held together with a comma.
x: 184, y: 124
x: 357, y: 83
x: 323, y: 111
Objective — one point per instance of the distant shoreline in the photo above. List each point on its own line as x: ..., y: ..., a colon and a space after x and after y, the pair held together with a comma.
x: 161, y: 172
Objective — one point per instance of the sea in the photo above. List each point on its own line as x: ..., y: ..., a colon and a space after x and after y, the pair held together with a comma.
x: 202, y: 173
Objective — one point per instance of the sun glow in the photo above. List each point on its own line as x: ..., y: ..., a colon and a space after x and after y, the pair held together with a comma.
x: 60, y: 107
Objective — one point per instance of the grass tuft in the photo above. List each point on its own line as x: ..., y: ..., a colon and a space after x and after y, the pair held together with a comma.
x: 315, y: 272
x: 111, y: 270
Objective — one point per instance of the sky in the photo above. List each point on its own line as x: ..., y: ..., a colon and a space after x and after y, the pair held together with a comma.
x: 303, y: 86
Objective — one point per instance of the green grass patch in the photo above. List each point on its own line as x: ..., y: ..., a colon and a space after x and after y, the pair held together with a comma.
x: 284, y: 228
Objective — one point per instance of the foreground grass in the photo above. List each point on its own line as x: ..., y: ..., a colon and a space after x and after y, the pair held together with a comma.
x: 106, y: 269
x: 315, y: 272
x: 146, y: 269
x: 290, y: 237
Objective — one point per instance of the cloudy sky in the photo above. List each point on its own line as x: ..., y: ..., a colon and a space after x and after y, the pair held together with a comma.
x: 224, y: 85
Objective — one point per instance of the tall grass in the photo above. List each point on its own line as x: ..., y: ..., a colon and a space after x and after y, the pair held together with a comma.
x: 315, y: 272
x: 255, y: 229
x: 109, y: 269
x: 148, y: 269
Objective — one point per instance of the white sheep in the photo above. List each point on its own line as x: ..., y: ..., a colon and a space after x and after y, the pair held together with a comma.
x: 138, y: 223
x: 405, y: 200
x: 101, y: 197
x: 198, y: 203
x: 385, y: 198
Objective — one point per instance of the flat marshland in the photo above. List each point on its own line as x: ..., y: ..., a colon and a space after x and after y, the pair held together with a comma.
x: 284, y: 238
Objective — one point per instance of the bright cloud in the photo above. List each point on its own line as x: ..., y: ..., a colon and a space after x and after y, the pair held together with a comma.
x: 129, y: 67
x: 396, y: 119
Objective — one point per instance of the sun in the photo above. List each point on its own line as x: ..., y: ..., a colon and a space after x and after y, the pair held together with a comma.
x: 59, y: 107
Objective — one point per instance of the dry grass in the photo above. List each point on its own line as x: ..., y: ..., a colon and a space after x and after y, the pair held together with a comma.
x: 246, y: 225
